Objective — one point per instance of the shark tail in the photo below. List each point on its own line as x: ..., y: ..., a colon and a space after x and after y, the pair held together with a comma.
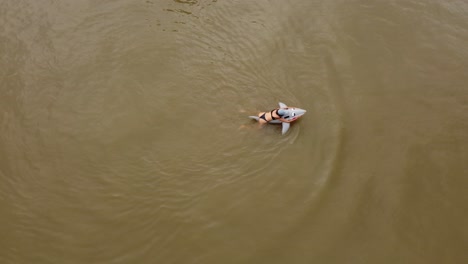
x: 254, y: 117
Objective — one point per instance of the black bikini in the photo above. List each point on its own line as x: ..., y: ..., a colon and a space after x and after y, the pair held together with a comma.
x: 271, y: 113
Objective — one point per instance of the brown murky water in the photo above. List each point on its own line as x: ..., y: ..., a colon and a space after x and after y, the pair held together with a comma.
x: 120, y: 135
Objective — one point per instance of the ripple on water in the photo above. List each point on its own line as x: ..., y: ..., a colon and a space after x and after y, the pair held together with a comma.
x: 162, y: 159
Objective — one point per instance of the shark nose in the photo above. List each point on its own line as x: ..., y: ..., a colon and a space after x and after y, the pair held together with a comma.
x: 300, y: 111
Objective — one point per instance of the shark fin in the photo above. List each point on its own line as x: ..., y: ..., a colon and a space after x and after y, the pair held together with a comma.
x: 285, y: 128
x: 282, y: 105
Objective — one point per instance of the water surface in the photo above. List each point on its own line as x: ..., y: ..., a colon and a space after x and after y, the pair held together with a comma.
x: 125, y: 138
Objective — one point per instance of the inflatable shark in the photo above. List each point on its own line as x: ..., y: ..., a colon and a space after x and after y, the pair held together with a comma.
x: 283, y: 115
